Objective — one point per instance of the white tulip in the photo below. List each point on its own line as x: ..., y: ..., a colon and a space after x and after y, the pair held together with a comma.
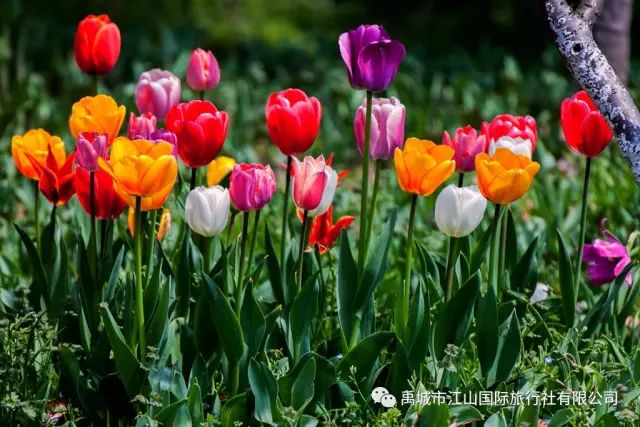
x: 328, y: 194
x: 515, y: 145
x: 541, y: 293
x: 206, y: 210
x: 459, y: 210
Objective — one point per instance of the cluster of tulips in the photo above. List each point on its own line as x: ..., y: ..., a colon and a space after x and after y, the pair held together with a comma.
x: 109, y: 172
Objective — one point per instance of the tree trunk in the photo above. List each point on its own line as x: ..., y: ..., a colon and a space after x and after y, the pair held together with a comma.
x: 612, y: 34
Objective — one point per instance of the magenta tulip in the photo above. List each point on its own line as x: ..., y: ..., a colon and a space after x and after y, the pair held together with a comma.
x: 251, y: 186
x: 203, y: 72
x: 606, y: 259
x: 89, y: 147
x: 141, y: 127
x: 467, y: 144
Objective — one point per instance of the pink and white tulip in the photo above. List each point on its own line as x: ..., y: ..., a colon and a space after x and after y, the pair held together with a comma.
x: 387, y: 127
x: 157, y: 92
x: 314, y: 184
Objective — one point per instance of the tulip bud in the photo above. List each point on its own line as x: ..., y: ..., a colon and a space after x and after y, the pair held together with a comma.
x: 516, y: 145
x: 157, y: 92
x: 203, y: 72
x: 251, y: 186
x: 584, y: 128
x: 387, y: 127
x: 165, y: 224
x: 96, y: 47
x: 467, y: 144
x: 206, y: 210
x: 513, y: 126
x: 141, y: 127
x: 89, y: 147
x: 459, y: 210
x: 314, y: 185
x: 218, y: 169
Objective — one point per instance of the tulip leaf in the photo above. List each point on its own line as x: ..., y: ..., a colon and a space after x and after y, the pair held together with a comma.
x: 235, y: 411
x: 324, y: 377
x: 602, y: 311
x: 480, y: 251
x: 265, y: 391
x: 496, y: 420
x: 303, y: 387
x: 110, y: 289
x: 252, y: 321
x: 433, y: 415
x: 364, y: 356
x: 525, y: 272
x: 273, y: 267
x: 225, y: 322
x: 346, y: 284
x: 158, y: 322
x: 183, y: 276
x: 512, y: 241
x: 567, y: 288
x: 430, y: 270
x: 303, y: 311
x: 194, y: 404
x: 206, y: 343
x: 419, y: 328
x: 487, y: 330
x: 508, y: 350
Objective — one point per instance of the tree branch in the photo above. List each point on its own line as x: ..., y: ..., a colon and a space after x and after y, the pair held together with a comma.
x: 591, y: 69
x: 590, y: 10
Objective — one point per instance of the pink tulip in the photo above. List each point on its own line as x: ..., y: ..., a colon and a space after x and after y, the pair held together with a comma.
x: 467, y: 144
x: 141, y: 127
x: 251, y: 186
x: 89, y: 147
x: 157, y: 92
x: 514, y: 126
x: 203, y: 72
x: 387, y: 127
x: 314, y: 184
x: 606, y: 259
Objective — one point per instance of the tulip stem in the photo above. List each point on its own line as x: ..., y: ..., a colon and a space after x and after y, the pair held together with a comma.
x: 583, y: 220
x: 194, y: 178
x: 374, y: 198
x: 406, y: 288
x: 285, y: 218
x: 151, y: 239
x: 503, y: 249
x: 492, y: 249
x: 254, y: 235
x: 451, y: 264
x: 95, y: 84
x: 234, y: 213
x: 201, y: 95
x: 305, y: 223
x: 93, y: 244
x: 206, y: 254
x: 36, y: 223
x: 138, y: 233
x: 243, y: 249
x: 461, y: 180
x: 362, y: 247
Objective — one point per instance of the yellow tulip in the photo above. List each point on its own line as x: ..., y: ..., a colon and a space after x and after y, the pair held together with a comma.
x: 422, y: 166
x: 505, y: 177
x: 99, y: 114
x: 35, y: 144
x: 141, y: 168
x: 218, y: 169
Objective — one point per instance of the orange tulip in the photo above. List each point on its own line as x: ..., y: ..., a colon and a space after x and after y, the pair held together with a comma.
x: 99, y: 114
x: 141, y: 168
x: 163, y: 227
x: 505, y: 177
x: 36, y: 144
x: 422, y: 166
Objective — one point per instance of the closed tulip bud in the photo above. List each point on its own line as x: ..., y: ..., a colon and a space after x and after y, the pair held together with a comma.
x: 422, y: 166
x: 203, y: 72
x: 157, y: 92
x: 513, y: 126
x: 467, y: 144
x: 459, y: 210
x: 584, y: 128
x: 293, y: 120
x: 89, y: 147
x: 207, y: 210
x: 387, y: 127
x: 505, y: 177
x: 99, y: 114
x: 97, y: 45
x: 522, y: 147
x: 107, y: 204
x: 606, y: 258
x: 165, y: 224
x: 141, y: 127
x: 218, y: 169
x: 251, y: 186
x: 314, y: 185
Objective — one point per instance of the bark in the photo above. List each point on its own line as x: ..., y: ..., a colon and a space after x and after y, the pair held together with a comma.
x: 595, y: 74
x: 612, y: 34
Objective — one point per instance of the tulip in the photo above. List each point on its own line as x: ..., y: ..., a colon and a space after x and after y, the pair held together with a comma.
x: 141, y: 127
x: 141, y: 169
x: 55, y: 177
x: 166, y: 136
x: 36, y: 144
x: 540, y: 293
x: 165, y: 224
x: 157, y: 92
x: 206, y: 210
x: 293, y: 120
x: 459, y: 210
x: 513, y: 126
x: 606, y: 259
x: 201, y: 130
x: 516, y: 145
x: 422, y: 166
x: 97, y: 45
x: 251, y: 186
x: 584, y: 128
x: 505, y: 177
x: 108, y: 204
x: 218, y: 169
x: 314, y: 185
x: 203, y: 72
x: 89, y: 147
x: 467, y: 144
x: 371, y: 57
x: 98, y: 114
x: 324, y: 232
x: 387, y: 127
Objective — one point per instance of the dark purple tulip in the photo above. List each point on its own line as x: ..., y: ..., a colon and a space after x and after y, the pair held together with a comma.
x: 371, y: 57
x: 606, y: 259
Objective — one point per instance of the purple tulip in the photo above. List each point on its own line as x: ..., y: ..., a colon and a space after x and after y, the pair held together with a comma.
x: 606, y: 259
x: 251, y: 186
x: 387, y: 127
x: 165, y: 135
x: 203, y: 72
x: 156, y: 92
x: 371, y: 57
x: 89, y: 147
x: 141, y: 127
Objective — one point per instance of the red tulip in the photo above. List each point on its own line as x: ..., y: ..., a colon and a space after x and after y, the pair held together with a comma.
x: 107, y: 204
x: 97, y: 45
x: 201, y: 130
x: 513, y: 126
x: 55, y: 179
x: 324, y: 232
x: 293, y: 120
x: 584, y: 128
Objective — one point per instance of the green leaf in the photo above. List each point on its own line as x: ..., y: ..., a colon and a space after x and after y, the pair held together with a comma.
x: 225, y: 321
x: 487, y: 330
x: 364, y: 355
x: 265, y: 390
x: 206, y: 342
x: 325, y: 376
x: 235, y: 411
x: 169, y: 414
x: 479, y: 254
x: 419, y: 328
x: 508, y: 352
x: 602, y: 310
x: 303, y: 387
x: 273, y: 267
x: 465, y: 414
x: 70, y: 368
x: 40, y: 284
x: 252, y: 321
x: 512, y: 242
x: 567, y: 288
x: 496, y: 420
x: 525, y: 273
x: 561, y: 418
x: 303, y: 311
x: 159, y: 320
x: 433, y: 416
x: 430, y: 269
x: 194, y: 404
x: 346, y: 283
